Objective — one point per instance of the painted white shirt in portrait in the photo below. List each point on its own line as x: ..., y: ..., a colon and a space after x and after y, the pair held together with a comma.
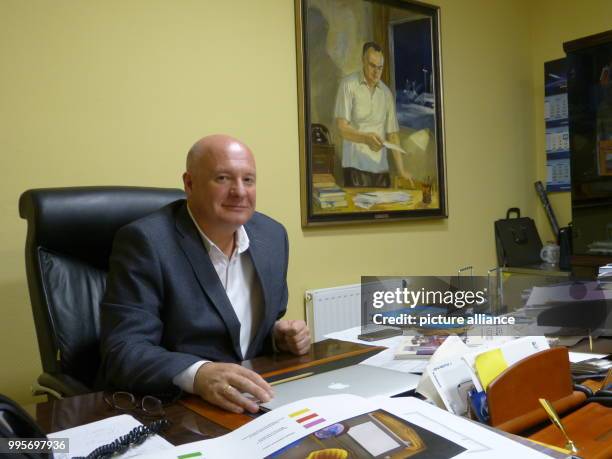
x: 366, y: 111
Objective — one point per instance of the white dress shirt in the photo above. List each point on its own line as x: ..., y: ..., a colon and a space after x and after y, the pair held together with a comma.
x: 367, y: 111
x: 239, y: 279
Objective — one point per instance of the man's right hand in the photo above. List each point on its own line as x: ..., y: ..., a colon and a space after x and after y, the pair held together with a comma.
x: 223, y: 384
x: 373, y: 140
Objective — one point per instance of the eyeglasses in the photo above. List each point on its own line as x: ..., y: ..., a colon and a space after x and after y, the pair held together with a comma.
x: 126, y: 401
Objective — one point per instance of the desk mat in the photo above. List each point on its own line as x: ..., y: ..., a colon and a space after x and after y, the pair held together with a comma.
x: 219, y: 416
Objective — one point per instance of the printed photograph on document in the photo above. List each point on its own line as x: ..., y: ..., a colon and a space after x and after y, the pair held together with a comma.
x: 377, y: 434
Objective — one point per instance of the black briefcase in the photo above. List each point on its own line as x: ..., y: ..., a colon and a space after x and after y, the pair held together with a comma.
x: 517, y: 240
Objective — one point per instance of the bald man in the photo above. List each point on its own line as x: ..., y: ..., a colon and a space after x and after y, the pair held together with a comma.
x: 198, y: 286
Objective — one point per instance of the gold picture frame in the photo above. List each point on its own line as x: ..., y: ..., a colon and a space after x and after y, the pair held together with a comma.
x: 371, y: 124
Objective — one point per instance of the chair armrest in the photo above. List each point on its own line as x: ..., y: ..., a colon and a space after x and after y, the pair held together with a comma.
x: 59, y: 385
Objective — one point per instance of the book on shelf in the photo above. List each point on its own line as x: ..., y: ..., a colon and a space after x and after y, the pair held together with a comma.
x: 331, y: 204
x: 319, y: 178
x: 330, y: 198
x: 318, y: 186
x: 323, y: 181
x: 330, y: 192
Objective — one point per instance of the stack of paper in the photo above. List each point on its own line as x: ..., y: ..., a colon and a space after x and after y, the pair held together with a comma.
x: 445, y: 372
x: 487, y: 364
x: 455, y: 368
x: 367, y: 200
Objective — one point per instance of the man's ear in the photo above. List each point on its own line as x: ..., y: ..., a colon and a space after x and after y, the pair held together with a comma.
x: 187, y: 183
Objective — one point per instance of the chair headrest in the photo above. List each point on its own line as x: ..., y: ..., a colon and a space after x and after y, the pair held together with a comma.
x: 82, y: 221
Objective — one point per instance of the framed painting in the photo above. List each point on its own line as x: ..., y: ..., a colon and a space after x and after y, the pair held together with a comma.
x: 371, y: 118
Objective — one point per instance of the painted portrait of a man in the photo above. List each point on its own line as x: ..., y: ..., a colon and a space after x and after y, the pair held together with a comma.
x: 373, y: 121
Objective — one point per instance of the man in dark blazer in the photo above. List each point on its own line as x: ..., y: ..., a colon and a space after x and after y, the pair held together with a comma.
x: 198, y: 286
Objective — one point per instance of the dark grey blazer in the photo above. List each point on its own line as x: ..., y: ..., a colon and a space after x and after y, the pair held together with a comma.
x: 165, y: 307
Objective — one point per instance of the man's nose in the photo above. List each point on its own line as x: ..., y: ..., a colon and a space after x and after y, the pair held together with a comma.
x: 238, y: 188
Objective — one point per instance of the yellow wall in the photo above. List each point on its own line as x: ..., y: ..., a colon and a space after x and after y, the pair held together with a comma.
x: 555, y: 22
x: 114, y: 92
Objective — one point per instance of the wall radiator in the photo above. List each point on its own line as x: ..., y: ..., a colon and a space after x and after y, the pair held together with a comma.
x: 332, y: 309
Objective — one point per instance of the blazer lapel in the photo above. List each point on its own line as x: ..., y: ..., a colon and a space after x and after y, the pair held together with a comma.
x: 260, y: 254
x: 194, y: 250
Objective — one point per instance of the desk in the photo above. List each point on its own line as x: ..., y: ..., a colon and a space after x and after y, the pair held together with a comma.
x: 187, y: 426
x: 602, y: 345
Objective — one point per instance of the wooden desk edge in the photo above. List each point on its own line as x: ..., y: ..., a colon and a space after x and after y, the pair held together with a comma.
x: 333, y: 358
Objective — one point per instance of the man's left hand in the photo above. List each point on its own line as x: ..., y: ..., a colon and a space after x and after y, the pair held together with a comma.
x: 292, y: 336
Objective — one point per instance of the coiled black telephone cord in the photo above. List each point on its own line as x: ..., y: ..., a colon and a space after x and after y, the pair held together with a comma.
x: 134, y: 437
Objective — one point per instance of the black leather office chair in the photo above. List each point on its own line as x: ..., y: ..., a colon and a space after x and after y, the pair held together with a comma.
x: 70, y: 235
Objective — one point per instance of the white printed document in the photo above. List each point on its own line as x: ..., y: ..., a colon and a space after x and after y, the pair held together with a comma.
x: 367, y: 200
x: 84, y: 439
x: 507, y: 354
x: 452, y: 379
x: 350, y: 426
x: 393, y: 146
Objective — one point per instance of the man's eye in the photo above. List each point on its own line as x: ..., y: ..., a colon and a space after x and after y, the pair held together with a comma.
x: 222, y: 178
x: 249, y: 180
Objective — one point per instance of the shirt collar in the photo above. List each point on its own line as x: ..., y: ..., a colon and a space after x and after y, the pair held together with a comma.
x: 240, y: 237
x: 362, y: 80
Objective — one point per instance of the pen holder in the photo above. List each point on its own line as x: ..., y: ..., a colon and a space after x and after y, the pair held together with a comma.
x: 426, y: 190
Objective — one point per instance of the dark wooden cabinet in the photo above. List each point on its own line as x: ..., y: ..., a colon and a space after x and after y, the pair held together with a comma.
x: 589, y: 89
